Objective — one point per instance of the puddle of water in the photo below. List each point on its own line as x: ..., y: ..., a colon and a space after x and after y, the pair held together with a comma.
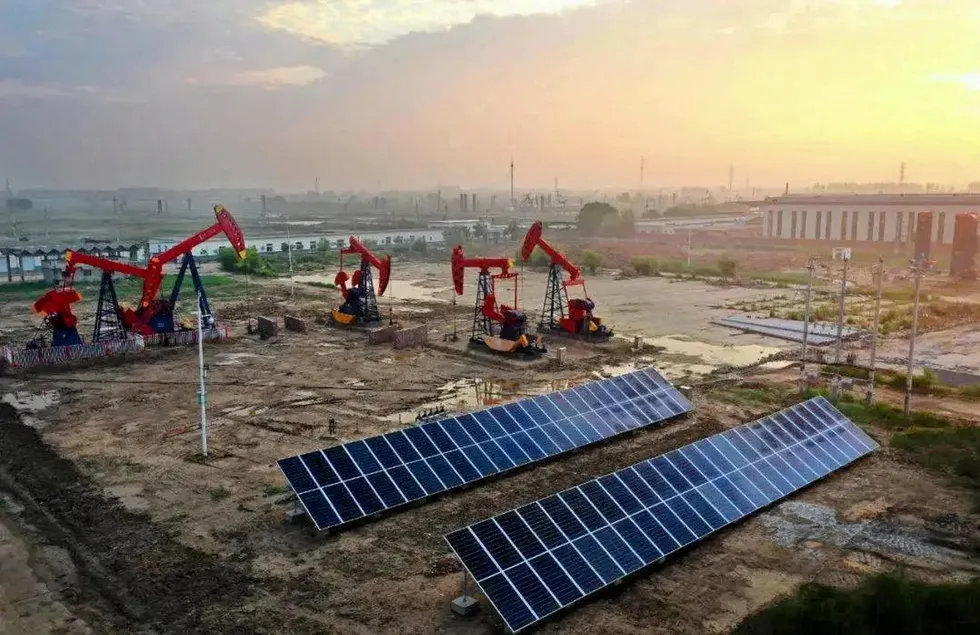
x: 698, y: 357
x: 304, y: 223
x: 28, y: 404
x: 777, y: 365
x: 462, y: 395
x: 230, y: 359
x: 415, y: 290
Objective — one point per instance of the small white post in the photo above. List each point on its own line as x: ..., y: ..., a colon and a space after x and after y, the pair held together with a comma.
x: 202, y: 395
x: 289, y: 250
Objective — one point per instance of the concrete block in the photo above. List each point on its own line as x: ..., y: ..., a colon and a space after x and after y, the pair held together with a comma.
x: 267, y: 327
x: 465, y: 606
x: 382, y: 335
x: 296, y: 516
x: 294, y: 324
x: 415, y: 336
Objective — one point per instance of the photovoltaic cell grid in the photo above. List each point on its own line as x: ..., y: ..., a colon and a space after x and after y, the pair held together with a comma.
x: 818, y: 333
x: 346, y: 482
x: 537, y: 559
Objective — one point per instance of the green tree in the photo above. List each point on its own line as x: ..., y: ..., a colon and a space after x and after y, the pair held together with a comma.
x: 228, y: 259
x: 727, y: 267
x: 592, y: 260
x: 593, y: 215
x: 625, y: 225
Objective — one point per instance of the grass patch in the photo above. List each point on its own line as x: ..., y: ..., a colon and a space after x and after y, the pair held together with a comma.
x: 218, y: 493
x: 890, y: 417
x: 754, y: 395
x: 322, y: 285
x: 954, y: 451
x: 779, y: 277
x: 882, y: 604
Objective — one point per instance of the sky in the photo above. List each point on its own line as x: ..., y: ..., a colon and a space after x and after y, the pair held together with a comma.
x: 398, y: 94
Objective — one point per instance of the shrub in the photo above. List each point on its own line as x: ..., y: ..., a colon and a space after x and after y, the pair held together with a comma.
x: 645, y: 265
x: 727, y: 267
x: 592, y: 260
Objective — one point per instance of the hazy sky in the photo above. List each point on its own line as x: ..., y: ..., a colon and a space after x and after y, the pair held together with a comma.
x: 410, y: 93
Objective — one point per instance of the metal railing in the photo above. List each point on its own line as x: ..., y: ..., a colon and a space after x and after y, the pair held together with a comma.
x: 21, y: 358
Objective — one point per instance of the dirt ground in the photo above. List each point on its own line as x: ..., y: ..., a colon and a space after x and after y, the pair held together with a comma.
x: 111, y: 523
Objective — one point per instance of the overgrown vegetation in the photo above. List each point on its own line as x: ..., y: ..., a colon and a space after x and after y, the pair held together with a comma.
x: 884, y: 604
x: 252, y: 263
x: 591, y: 260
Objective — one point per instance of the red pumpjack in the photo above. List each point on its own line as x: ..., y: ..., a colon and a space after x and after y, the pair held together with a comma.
x: 153, y: 315
x: 559, y: 313
x: 510, y: 336
x: 360, y: 302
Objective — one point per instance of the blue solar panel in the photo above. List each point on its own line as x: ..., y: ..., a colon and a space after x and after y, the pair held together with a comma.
x: 346, y: 482
x: 533, y: 561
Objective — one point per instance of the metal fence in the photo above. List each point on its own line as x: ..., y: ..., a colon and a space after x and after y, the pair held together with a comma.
x: 17, y: 358
x: 186, y: 338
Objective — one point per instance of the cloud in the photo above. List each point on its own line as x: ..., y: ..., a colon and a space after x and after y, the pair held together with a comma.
x: 16, y: 89
x: 373, y: 22
x: 230, y: 92
x: 269, y: 79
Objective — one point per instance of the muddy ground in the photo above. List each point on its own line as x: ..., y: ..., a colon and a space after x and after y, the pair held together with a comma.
x: 111, y: 523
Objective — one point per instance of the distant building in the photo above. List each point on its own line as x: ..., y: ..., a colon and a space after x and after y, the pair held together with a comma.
x: 889, y: 218
x: 306, y: 241
x: 33, y: 261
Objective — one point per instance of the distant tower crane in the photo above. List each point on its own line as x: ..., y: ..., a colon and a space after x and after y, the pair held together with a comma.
x: 559, y: 313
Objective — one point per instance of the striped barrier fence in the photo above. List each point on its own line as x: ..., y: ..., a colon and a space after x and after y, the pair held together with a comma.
x: 21, y: 358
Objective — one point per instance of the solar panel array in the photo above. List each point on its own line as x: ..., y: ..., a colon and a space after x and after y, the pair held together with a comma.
x: 818, y: 333
x: 341, y: 484
x: 537, y: 559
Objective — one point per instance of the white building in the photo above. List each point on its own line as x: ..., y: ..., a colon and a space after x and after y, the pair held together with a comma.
x: 305, y: 241
x: 863, y: 217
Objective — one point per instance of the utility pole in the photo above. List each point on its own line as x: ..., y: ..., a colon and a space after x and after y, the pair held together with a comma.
x: 840, y: 315
x: 202, y: 395
x: 513, y: 203
x: 915, y: 326
x: 289, y: 250
x: 874, y: 334
x: 806, y: 323
x: 840, y: 327
x: 688, y: 247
